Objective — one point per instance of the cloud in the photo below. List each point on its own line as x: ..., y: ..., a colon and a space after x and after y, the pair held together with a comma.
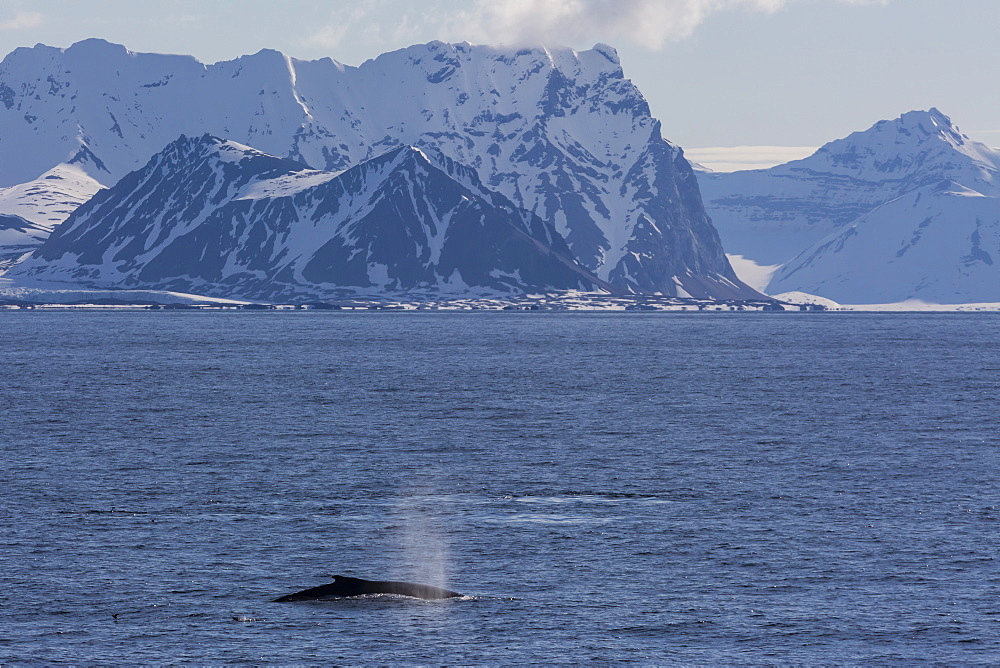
x: 348, y: 22
x: 22, y: 20
x: 647, y: 23
x: 187, y: 19
x: 329, y: 35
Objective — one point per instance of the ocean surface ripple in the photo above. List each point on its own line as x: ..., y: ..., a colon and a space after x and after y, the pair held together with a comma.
x: 649, y: 488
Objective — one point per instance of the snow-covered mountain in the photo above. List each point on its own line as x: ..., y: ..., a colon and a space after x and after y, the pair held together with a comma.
x: 30, y: 211
x: 49, y: 199
x: 938, y: 243
x: 560, y: 133
x: 214, y: 217
x: 905, y: 209
x: 18, y: 237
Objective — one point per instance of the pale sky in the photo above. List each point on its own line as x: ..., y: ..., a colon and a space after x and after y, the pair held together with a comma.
x: 718, y: 73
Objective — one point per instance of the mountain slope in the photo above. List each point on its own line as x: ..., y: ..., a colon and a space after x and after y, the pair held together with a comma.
x: 51, y: 198
x: 30, y: 211
x: 771, y: 215
x: 938, y: 243
x: 906, y: 209
x: 18, y: 237
x: 214, y: 217
x: 560, y: 133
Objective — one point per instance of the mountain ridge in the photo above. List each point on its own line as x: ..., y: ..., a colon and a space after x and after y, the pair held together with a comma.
x: 214, y: 217
x: 560, y: 133
x: 891, y: 187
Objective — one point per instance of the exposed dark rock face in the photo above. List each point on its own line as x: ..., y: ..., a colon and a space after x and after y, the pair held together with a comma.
x: 218, y: 218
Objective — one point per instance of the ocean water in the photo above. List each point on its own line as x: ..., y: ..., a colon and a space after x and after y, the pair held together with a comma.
x: 649, y: 488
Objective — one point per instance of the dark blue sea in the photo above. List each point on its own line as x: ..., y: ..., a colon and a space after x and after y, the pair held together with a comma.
x: 649, y: 488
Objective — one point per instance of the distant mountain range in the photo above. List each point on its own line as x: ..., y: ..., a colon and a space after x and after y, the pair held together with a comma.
x: 451, y: 169
x: 907, y: 209
x: 440, y: 167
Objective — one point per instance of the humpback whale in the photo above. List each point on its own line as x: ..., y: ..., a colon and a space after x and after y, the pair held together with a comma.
x: 344, y: 585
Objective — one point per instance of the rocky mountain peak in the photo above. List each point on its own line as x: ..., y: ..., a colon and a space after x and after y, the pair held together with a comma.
x: 917, y: 141
x: 211, y: 216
